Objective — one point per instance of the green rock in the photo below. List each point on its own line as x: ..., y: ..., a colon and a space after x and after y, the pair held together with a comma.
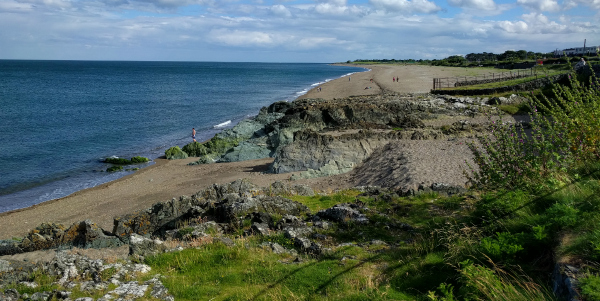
x: 114, y: 168
x: 195, y: 149
x: 175, y: 153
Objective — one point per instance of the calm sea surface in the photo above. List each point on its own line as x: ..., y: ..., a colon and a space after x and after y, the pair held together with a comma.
x: 59, y: 119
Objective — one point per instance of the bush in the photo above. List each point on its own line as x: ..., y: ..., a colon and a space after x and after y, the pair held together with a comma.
x: 175, y: 153
x: 590, y: 287
x: 195, y: 149
x: 567, y: 133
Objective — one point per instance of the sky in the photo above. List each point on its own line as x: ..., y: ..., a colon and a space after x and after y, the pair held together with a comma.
x: 289, y: 30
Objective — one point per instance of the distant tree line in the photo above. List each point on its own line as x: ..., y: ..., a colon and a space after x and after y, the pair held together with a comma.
x: 475, y: 59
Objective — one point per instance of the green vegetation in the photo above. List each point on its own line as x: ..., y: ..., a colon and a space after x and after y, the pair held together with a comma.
x: 114, y: 168
x: 175, y: 153
x: 195, y: 149
x: 123, y: 161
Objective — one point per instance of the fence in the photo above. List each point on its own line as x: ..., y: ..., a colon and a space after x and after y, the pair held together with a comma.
x: 447, y: 82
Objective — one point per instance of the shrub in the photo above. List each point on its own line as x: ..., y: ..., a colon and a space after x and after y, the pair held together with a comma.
x: 568, y: 133
x: 175, y: 153
x: 590, y: 287
x: 195, y: 149
x: 504, y: 245
x: 562, y: 215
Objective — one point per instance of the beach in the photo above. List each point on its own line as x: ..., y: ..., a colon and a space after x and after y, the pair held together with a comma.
x: 168, y: 179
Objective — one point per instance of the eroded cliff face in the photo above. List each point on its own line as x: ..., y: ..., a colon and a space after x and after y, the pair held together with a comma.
x: 333, y: 137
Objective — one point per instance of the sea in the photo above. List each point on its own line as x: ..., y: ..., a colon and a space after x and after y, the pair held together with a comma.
x: 60, y: 119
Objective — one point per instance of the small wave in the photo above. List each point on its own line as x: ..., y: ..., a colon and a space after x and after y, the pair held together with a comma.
x: 221, y: 125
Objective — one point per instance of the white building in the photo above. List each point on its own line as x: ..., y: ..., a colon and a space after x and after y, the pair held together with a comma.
x: 588, y: 50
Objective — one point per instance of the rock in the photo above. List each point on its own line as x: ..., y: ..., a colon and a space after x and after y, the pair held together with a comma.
x: 260, y: 229
x: 174, y: 153
x: 127, y: 291
x: 157, y: 219
x: 343, y: 213
x: 159, y: 291
x: 5, y: 266
x: 441, y: 188
x: 142, y: 246
x: 326, y: 154
x: 232, y: 207
x: 9, y: 247
x: 10, y: 295
x: 281, y: 188
x: 247, y: 150
x: 293, y: 233
x: 41, y: 296
x: 83, y: 234
x: 225, y: 240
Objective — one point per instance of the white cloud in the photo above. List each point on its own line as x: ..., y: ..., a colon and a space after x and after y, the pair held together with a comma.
x: 487, y: 5
x: 594, y: 4
x: 243, y: 38
x: 421, y: 6
x: 334, y: 2
x: 281, y: 10
x: 540, y: 5
x: 10, y: 6
x: 513, y: 27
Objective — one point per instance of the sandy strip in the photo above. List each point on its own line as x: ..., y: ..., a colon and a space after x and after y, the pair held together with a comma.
x: 412, y: 79
x: 168, y: 179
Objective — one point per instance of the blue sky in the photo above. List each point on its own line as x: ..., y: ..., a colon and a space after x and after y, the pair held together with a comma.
x: 289, y: 30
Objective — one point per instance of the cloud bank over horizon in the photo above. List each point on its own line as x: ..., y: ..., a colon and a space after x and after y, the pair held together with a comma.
x: 289, y: 30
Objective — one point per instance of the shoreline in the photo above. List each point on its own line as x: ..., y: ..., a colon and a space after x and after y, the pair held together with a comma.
x: 171, y: 179
x: 209, y: 132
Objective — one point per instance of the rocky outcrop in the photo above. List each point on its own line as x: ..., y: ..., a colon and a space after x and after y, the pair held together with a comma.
x: 232, y: 207
x: 325, y: 154
x: 83, y: 234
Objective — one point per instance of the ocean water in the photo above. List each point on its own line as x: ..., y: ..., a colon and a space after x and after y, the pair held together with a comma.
x: 59, y: 119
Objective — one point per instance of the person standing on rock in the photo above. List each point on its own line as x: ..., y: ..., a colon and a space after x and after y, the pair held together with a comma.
x: 194, y: 134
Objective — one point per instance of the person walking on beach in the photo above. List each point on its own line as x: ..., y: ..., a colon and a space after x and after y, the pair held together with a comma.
x: 393, y: 79
x: 194, y: 134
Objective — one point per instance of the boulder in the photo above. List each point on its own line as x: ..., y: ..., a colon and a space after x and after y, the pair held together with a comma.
x: 142, y: 246
x: 233, y: 207
x: 343, y: 213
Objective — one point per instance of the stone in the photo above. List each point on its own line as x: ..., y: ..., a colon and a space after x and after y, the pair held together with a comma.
x: 225, y: 240
x: 260, y: 229
x: 9, y: 247
x: 10, y: 295
x: 343, y: 213
x: 142, y: 246
x: 233, y: 207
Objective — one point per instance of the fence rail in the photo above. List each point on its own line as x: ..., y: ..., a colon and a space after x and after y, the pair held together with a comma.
x: 447, y: 82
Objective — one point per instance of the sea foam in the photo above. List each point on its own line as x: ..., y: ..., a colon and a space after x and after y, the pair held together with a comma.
x: 222, y: 125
